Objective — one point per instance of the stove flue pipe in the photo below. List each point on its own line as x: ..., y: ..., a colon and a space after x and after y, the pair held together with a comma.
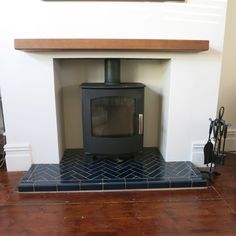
x: 112, y: 71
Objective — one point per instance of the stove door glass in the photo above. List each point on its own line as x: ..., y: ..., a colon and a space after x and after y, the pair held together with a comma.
x: 113, y: 116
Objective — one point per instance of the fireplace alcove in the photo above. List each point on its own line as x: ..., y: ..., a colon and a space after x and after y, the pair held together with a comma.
x: 71, y: 73
x: 156, y: 71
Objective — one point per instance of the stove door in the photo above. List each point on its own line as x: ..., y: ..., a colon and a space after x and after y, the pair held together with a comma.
x: 113, y: 120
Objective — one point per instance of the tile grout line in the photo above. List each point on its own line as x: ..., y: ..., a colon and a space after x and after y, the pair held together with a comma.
x: 224, y: 200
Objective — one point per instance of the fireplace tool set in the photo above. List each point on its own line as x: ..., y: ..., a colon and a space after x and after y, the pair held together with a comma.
x: 214, y: 149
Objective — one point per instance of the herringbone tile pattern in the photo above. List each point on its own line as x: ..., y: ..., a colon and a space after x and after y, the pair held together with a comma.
x: 78, y: 168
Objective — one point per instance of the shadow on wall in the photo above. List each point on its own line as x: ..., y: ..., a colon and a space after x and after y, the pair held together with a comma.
x: 2, y: 126
x: 72, y: 116
x: 2, y: 136
x: 152, y: 118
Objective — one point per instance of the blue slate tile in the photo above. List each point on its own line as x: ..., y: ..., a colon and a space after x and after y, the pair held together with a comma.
x: 26, y: 187
x: 63, y: 186
x: 122, y: 180
x: 91, y: 185
x: 136, y: 184
x: 199, y: 183
x: 45, y: 186
x: 180, y: 183
x: 161, y: 183
x: 113, y: 185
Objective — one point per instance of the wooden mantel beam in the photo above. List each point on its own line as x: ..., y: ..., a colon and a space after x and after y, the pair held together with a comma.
x: 161, y: 45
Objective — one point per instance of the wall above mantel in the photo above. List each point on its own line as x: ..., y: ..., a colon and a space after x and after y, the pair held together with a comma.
x: 162, y: 45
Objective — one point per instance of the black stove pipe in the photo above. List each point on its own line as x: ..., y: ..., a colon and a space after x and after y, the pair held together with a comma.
x: 112, y: 71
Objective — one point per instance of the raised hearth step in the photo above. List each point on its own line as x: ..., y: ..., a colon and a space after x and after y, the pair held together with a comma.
x: 78, y: 172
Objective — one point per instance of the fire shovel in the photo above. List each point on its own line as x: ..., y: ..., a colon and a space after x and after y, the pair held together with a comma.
x: 208, y: 148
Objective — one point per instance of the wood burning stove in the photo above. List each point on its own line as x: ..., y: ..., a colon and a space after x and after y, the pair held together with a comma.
x: 112, y: 114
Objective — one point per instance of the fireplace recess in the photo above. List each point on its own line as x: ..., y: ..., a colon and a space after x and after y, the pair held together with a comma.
x: 112, y: 114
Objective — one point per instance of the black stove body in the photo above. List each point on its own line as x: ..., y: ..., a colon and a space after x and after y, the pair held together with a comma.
x: 112, y: 114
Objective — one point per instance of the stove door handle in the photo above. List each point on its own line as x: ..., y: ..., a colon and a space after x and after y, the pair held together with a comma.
x: 140, y: 124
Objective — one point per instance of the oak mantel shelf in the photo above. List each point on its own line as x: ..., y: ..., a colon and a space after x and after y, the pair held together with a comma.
x: 161, y: 45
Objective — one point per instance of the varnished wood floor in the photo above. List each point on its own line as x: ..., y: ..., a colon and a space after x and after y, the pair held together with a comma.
x: 209, y: 211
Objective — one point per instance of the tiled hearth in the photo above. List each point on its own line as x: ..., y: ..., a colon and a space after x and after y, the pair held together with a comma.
x: 78, y: 172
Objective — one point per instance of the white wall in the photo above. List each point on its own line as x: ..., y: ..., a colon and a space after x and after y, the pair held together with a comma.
x: 227, y: 95
x: 27, y: 79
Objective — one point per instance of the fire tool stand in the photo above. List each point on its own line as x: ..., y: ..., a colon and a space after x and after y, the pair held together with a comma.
x: 214, y: 152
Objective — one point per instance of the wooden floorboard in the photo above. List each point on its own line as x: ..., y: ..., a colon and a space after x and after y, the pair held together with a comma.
x: 210, y: 211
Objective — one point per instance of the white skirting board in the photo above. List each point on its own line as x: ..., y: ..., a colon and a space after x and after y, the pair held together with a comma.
x: 197, y: 154
x: 18, y: 156
x: 230, y: 144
